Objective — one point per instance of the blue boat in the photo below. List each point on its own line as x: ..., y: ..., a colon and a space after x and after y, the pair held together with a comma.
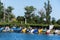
x: 35, y: 31
x: 1, y: 29
x: 15, y: 29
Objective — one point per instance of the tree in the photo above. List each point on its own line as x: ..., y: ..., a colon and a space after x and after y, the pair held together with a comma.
x: 36, y: 19
x: 1, y: 11
x: 28, y: 13
x: 42, y: 16
x: 5, y: 14
x: 9, y: 13
x: 48, y: 9
x: 53, y: 21
x: 20, y: 19
x: 58, y: 21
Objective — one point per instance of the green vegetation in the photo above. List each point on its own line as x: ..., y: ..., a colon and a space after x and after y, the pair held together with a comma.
x: 48, y: 10
x: 30, y: 18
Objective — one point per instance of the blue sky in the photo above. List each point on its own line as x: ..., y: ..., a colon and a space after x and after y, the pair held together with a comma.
x: 19, y: 5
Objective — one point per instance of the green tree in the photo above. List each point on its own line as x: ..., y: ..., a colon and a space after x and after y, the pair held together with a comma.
x: 53, y: 21
x: 48, y: 9
x: 36, y: 19
x: 42, y: 16
x: 1, y: 11
x: 20, y: 19
x: 9, y: 13
x: 28, y: 13
x: 58, y: 21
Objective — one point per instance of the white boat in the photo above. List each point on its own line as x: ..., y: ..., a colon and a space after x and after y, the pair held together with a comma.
x: 7, y: 29
x: 57, y: 31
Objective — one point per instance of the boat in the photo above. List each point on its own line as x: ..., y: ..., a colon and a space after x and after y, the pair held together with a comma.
x: 15, y: 29
x: 6, y: 29
x: 1, y: 29
x: 35, y: 31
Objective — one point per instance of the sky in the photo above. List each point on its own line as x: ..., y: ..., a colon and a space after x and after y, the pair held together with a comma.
x: 19, y: 5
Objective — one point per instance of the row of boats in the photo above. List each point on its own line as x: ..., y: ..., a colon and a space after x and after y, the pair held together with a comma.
x: 30, y: 30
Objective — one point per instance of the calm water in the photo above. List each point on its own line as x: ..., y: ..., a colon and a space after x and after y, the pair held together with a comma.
x: 21, y: 36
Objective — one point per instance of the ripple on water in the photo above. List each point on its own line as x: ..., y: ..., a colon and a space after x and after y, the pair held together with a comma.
x: 22, y: 36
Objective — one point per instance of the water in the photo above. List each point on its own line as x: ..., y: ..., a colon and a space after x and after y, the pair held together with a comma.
x: 22, y: 36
